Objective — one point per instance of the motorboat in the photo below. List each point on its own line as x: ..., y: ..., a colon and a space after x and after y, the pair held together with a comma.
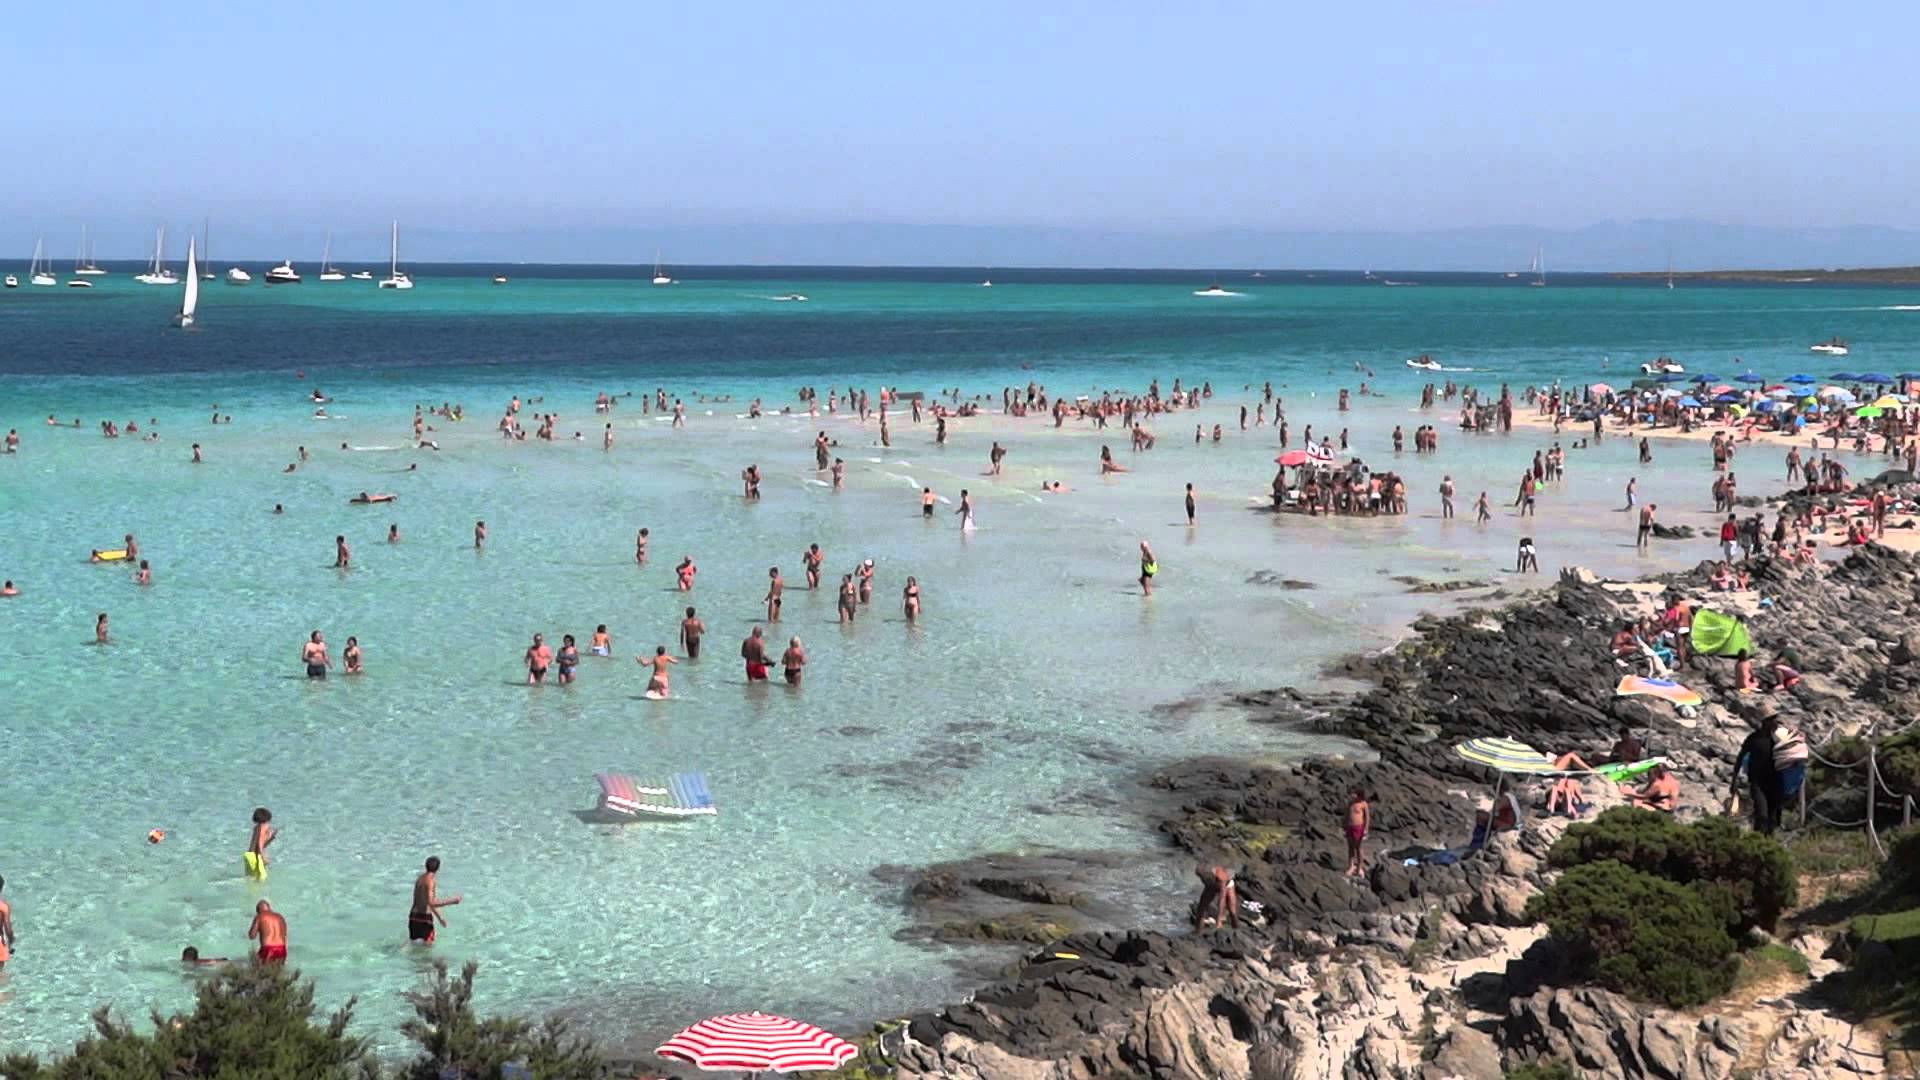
x: 793, y: 297
x: 11, y: 282
x: 38, y: 272
x: 1425, y: 363
x: 327, y: 271
x: 660, y: 276
x: 1663, y: 366
x: 284, y: 274
x: 237, y: 276
x: 499, y: 279
x: 361, y: 275
x: 395, y: 279
x: 79, y: 283
x: 1214, y: 290
x: 1830, y: 347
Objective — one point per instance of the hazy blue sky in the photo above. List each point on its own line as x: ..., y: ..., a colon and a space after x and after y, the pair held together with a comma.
x: 288, y: 118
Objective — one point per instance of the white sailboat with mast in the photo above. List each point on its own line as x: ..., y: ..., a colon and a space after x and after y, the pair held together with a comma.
x: 206, y: 246
x: 192, y: 298
x: 660, y: 276
x: 38, y: 272
x: 327, y: 272
x: 157, y: 272
x: 395, y: 279
x: 85, y: 267
x: 1539, y: 269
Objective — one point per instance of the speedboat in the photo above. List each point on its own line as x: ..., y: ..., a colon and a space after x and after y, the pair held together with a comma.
x: 12, y: 282
x: 987, y: 284
x: 1214, y: 290
x: 79, y: 283
x: 1663, y: 366
x: 362, y: 275
x: 794, y: 297
x: 284, y: 274
x: 237, y: 276
x: 1831, y: 347
x: 499, y: 279
x: 1425, y: 363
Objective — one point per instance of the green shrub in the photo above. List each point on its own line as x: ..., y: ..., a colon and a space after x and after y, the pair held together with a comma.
x: 1638, y: 934
x: 1900, y: 874
x: 253, y: 1020
x: 247, y: 1020
x: 1745, y: 877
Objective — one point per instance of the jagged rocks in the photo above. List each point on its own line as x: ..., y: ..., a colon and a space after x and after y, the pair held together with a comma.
x: 1604, y: 1036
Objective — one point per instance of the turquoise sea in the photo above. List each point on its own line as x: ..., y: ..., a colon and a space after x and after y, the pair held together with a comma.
x: 1017, y: 716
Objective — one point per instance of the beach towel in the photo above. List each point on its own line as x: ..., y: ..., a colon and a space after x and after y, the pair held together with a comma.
x: 1715, y: 634
x: 1664, y: 689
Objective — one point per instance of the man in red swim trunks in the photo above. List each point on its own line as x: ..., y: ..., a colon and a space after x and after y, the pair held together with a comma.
x: 754, y: 652
x: 271, y: 928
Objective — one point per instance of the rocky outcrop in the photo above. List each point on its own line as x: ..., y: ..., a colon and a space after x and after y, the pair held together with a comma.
x: 1332, y: 976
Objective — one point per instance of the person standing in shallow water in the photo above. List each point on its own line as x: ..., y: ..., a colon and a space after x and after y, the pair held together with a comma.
x: 1190, y: 521
x: 775, y: 585
x: 1148, y: 568
x: 1446, y: 497
x: 425, y: 910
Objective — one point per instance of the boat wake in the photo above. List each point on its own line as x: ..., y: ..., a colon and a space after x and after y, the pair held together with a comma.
x: 1900, y: 307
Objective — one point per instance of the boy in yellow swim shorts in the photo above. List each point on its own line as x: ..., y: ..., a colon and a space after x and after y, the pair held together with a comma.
x: 255, y: 856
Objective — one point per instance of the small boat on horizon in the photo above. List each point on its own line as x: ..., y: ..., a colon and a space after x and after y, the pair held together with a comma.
x: 1538, y: 269
x: 1215, y: 290
x: 794, y: 297
x: 206, y: 248
x: 1830, y: 347
x: 660, y: 276
x: 499, y: 279
x: 361, y: 275
x: 1425, y: 363
x: 327, y: 271
x: 284, y: 274
x: 237, y: 276
x: 12, y: 282
x: 395, y: 279
x: 38, y: 272
x: 157, y: 272
x: 83, y: 266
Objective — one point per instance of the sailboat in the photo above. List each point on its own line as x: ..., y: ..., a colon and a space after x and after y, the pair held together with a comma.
x: 84, y: 267
x: 395, y: 279
x: 1669, y: 269
x: 1538, y: 269
x: 327, y: 272
x: 206, y: 244
x: 38, y: 273
x: 659, y: 276
x: 157, y: 272
x: 79, y: 262
x: 192, y: 299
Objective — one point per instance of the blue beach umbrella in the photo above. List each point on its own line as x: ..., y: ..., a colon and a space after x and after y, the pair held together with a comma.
x: 1672, y: 376
x: 1801, y: 379
x: 1690, y: 402
x: 1843, y: 376
x: 1750, y: 377
x: 1875, y: 378
x: 1727, y: 397
x: 1766, y: 406
x: 1706, y: 378
x: 1908, y: 376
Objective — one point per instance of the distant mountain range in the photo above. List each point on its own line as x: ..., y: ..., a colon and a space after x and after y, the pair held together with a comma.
x: 1603, y: 247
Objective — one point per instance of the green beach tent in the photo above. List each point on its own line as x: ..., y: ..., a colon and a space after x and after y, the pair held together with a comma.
x: 1715, y: 634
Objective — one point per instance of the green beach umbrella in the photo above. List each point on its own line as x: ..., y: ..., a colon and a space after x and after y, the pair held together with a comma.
x: 1869, y: 411
x: 1715, y: 634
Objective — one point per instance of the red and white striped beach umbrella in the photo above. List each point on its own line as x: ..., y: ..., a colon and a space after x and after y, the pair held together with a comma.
x: 758, y: 1042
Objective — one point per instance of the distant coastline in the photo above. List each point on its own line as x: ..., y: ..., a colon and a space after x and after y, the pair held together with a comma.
x: 1877, y: 275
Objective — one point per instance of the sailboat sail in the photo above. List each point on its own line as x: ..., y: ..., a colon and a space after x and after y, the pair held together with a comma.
x: 192, y: 298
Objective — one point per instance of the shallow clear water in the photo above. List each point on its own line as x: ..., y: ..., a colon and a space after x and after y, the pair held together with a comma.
x: 1032, y: 679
